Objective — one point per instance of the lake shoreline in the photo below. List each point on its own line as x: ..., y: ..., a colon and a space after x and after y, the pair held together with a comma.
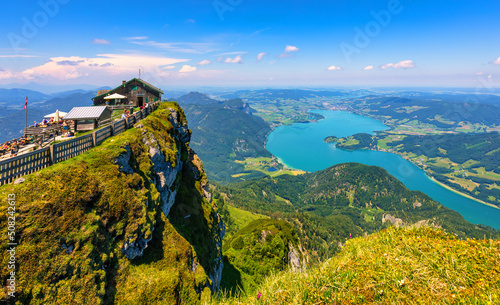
x: 432, y: 178
x: 463, y: 194
x: 301, y: 146
x: 288, y: 167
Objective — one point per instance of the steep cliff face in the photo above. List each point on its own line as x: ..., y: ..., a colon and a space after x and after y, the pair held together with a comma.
x: 130, y: 221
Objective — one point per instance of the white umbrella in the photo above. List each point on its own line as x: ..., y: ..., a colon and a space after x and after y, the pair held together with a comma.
x: 53, y: 115
x: 114, y: 96
x: 56, y: 117
x: 117, y: 97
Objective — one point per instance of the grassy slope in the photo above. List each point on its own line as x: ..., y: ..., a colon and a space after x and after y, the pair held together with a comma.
x: 395, y: 266
x: 256, y: 251
x: 86, y: 202
x: 242, y: 217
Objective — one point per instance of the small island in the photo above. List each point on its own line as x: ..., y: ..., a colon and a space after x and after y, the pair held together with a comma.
x: 354, y: 142
x: 330, y: 139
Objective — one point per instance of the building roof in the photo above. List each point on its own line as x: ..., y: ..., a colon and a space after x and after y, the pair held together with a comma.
x: 86, y: 113
x: 101, y: 93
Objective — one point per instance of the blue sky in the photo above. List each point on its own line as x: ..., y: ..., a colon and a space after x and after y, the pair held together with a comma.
x: 251, y: 43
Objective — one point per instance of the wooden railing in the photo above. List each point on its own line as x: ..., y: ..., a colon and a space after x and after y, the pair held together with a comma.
x: 119, y: 127
x: 102, y: 134
x: 13, y: 168
x: 24, y: 164
x: 68, y: 149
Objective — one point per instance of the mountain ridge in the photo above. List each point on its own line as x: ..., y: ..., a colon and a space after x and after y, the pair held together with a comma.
x: 129, y: 221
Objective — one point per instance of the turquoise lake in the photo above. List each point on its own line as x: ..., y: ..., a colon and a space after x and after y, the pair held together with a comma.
x: 301, y: 146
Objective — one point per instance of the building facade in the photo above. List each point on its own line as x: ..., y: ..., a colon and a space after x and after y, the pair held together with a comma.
x: 136, y: 91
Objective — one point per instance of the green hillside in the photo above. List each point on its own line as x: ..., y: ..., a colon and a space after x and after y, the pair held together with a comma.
x: 465, y: 162
x: 395, y: 266
x: 261, y: 248
x: 223, y: 133
x: 329, y: 206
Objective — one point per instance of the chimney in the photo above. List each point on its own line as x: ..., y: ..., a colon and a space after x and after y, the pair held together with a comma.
x: 123, y: 82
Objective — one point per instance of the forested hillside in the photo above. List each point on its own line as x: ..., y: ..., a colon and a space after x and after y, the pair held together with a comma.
x: 330, y: 206
x: 224, y: 132
x: 467, y: 162
x: 261, y: 248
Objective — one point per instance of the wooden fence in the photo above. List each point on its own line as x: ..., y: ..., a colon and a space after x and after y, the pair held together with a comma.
x: 68, y: 149
x: 102, y: 134
x: 13, y: 168
x: 24, y: 164
x: 119, y: 127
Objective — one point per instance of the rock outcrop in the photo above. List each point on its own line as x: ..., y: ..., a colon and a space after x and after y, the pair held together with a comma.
x: 167, y: 179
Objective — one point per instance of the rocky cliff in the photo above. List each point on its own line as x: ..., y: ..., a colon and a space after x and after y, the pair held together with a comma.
x: 130, y: 221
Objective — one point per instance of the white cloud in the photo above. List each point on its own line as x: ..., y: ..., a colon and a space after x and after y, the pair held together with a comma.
x: 260, y: 56
x: 17, y: 56
x: 204, y: 62
x: 220, y: 59
x: 232, y: 53
x: 191, y: 21
x: 235, y: 60
x: 497, y: 61
x: 72, y: 67
x: 288, y: 49
x: 100, y: 41
x: 291, y: 49
x: 333, y: 68
x: 368, y: 68
x: 181, y: 47
x: 480, y: 73
x: 405, y: 64
x: 6, y: 74
x: 136, y: 38
x: 187, y: 68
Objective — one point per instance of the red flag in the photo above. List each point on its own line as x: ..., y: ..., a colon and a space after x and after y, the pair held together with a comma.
x: 26, y: 103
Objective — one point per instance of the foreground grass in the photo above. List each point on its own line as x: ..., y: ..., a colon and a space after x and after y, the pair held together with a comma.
x: 396, y: 266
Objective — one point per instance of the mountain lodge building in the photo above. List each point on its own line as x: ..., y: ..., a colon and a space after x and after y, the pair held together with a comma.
x: 135, y: 90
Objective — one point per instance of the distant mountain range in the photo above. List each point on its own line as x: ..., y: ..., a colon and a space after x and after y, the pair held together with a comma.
x: 452, y: 97
x: 466, y: 108
x: 12, y: 113
x: 49, y: 88
x: 195, y: 98
x: 296, y: 94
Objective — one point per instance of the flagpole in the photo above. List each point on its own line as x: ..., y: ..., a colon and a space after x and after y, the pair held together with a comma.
x: 26, y: 112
